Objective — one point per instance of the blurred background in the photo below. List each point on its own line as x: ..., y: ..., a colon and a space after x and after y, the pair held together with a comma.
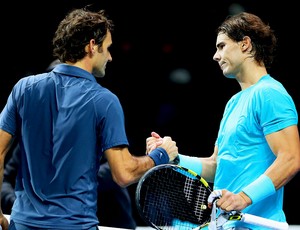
x: 162, y: 68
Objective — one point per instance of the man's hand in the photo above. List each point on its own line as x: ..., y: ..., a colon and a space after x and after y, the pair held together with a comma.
x: 153, y: 142
x: 166, y: 142
x: 229, y: 201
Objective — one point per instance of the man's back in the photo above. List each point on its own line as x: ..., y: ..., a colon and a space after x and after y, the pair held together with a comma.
x: 60, y: 115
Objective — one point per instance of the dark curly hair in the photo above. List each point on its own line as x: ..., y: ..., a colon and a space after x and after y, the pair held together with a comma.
x: 264, y: 42
x: 76, y: 30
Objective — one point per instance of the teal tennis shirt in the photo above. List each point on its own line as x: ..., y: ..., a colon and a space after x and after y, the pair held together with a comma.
x: 244, y: 154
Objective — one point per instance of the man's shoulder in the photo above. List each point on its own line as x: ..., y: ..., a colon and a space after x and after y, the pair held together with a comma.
x: 31, y: 79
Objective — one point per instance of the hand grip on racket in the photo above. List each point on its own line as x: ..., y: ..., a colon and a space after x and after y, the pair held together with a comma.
x: 224, y: 217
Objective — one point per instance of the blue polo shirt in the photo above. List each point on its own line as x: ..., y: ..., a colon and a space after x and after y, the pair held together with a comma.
x: 64, y: 120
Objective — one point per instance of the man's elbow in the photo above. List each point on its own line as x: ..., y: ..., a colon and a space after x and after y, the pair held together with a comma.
x: 123, y: 180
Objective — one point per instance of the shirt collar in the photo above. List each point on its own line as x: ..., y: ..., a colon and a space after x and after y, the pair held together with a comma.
x: 73, y: 71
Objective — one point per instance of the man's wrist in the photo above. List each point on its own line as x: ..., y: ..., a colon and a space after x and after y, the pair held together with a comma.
x: 259, y: 189
x: 246, y: 198
x: 159, y: 156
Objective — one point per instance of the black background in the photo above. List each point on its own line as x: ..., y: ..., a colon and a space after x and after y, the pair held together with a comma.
x: 151, y: 39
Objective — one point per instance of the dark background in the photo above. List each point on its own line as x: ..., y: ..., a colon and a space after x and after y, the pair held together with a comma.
x: 152, y: 39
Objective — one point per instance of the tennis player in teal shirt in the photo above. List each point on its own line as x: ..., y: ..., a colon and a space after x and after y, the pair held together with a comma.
x: 257, y: 150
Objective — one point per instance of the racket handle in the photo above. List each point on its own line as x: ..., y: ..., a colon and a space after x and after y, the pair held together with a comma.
x: 264, y: 222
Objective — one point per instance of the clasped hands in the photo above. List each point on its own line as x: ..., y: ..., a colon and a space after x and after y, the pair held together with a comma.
x: 165, y: 142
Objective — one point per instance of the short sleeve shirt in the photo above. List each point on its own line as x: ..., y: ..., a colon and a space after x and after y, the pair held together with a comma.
x: 64, y: 120
x: 243, y: 152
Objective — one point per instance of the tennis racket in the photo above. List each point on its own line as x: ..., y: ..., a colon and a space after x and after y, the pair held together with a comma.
x: 173, y: 197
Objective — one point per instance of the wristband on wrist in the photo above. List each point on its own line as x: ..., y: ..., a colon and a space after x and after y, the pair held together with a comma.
x: 192, y: 163
x: 259, y: 189
x: 159, y: 156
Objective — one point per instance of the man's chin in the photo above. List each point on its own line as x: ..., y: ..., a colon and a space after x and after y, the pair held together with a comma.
x: 99, y: 74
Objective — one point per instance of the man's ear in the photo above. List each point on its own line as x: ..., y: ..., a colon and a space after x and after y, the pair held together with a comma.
x: 246, y: 44
x: 91, y: 47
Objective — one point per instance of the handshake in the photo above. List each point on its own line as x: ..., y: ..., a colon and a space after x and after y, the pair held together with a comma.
x: 161, y: 150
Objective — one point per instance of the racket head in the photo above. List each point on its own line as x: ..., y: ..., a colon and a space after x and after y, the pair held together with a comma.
x: 172, y: 197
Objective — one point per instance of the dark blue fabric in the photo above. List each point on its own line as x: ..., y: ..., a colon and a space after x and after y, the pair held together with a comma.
x: 64, y: 120
x: 15, y: 226
x: 159, y: 156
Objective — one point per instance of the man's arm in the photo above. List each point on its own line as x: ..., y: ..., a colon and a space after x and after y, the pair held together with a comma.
x: 127, y: 168
x: 8, y: 186
x: 285, y: 145
x: 204, y: 166
x: 6, y: 141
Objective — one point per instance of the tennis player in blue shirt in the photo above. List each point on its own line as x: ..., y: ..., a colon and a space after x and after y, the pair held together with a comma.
x: 64, y: 121
x: 257, y: 150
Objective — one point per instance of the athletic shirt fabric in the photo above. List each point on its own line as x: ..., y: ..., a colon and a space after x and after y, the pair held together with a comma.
x: 64, y: 120
x: 243, y: 152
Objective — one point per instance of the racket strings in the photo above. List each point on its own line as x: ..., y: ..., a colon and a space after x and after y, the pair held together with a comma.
x: 172, y: 200
x: 196, y: 194
x: 169, y: 205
